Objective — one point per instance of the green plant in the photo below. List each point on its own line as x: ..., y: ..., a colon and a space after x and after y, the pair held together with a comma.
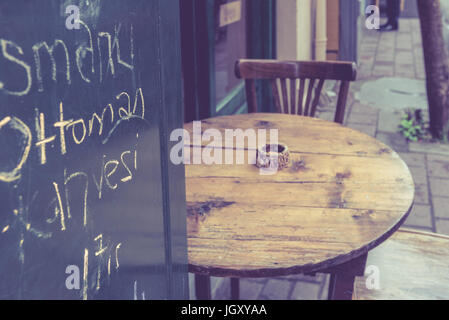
x: 412, y: 125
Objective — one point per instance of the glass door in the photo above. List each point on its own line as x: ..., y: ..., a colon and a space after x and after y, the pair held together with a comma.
x: 215, y: 34
x: 230, y: 44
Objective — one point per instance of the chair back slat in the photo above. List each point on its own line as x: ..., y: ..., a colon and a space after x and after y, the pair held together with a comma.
x: 292, y: 96
x: 288, y: 99
x: 341, y: 102
x: 277, y: 99
x: 284, y: 95
x: 309, y: 96
x: 302, y: 86
x: 316, y: 98
x: 251, y: 97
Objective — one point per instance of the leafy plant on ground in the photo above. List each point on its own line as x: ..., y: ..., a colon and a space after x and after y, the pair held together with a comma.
x: 412, y: 126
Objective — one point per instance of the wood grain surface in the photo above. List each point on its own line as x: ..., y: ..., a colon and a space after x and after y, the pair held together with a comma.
x: 343, y: 194
x: 411, y: 265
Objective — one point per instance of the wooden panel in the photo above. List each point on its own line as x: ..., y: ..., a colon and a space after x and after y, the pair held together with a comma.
x: 412, y: 265
x: 344, y: 193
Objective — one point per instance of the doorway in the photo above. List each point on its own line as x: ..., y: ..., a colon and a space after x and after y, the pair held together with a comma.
x: 215, y: 34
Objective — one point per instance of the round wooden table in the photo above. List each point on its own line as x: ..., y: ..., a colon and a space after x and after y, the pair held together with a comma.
x: 343, y: 194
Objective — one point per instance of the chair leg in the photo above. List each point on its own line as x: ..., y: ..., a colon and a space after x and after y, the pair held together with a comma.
x: 235, y: 288
x: 202, y: 287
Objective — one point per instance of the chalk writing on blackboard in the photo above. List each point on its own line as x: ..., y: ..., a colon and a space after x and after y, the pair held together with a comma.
x: 26, y: 138
x: 13, y: 52
x: 62, y: 125
x: 40, y: 140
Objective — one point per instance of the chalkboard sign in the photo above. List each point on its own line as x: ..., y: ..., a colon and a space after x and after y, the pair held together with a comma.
x: 90, y: 206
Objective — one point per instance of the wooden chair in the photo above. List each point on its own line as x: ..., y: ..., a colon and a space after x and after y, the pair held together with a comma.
x: 311, y: 76
x: 410, y: 265
x: 287, y: 74
x: 305, y: 79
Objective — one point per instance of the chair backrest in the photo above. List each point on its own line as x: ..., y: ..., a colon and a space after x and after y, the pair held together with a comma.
x: 316, y: 72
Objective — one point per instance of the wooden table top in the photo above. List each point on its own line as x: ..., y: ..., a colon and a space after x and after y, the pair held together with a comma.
x: 349, y: 193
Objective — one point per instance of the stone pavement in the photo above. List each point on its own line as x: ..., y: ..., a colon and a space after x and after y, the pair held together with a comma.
x: 397, y: 57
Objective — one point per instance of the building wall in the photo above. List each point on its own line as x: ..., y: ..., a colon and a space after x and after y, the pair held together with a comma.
x: 301, y: 29
x: 318, y: 29
x: 294, y: 29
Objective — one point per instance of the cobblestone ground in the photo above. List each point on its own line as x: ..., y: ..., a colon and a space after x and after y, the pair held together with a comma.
x: 399, y: 54
x: 389, y: 54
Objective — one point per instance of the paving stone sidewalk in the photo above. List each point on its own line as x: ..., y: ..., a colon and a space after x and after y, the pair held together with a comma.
x: 382, y: 55
x: 399, y: 54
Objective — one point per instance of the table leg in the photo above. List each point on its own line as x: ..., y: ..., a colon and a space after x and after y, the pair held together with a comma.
x: 341, y: 285
x: 235, y: 288
x: 202, y: 287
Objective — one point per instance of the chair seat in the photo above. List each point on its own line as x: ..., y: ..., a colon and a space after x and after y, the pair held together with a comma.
x: 411, y: 265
